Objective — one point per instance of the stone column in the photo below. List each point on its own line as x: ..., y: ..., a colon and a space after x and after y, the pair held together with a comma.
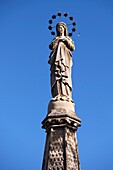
x: 61, y: 149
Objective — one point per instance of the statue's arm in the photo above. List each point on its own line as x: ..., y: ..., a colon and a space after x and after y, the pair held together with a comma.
x: 69, y: 43
x: 53, y: 44
x: 66, y: 40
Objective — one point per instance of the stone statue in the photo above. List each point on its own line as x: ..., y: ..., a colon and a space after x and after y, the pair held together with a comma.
x: 61, y: 122
x: 60, y: 61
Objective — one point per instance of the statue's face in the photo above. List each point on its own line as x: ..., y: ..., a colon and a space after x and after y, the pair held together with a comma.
x: 61, y: 29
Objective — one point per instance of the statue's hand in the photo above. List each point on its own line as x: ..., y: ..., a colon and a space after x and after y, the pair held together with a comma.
x: 62, y: 39
x: 68, y: 42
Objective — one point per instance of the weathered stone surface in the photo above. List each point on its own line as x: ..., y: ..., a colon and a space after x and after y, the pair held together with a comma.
x: 55, y: 105
x: 61, y: 150
x: 55, y: 157
x: 61, y: 122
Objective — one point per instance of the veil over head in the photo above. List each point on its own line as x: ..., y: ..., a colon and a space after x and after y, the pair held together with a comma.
x: 65, y: 28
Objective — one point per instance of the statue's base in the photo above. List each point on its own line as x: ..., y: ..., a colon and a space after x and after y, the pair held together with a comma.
x: 61, y: 113
x: 55, y: 105
x: 61, y: 149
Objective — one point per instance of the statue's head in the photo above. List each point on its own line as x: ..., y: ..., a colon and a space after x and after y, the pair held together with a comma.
x: 61, y: 27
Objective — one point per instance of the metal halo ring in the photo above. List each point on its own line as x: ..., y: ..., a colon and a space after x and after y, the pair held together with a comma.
x: 59, y: 14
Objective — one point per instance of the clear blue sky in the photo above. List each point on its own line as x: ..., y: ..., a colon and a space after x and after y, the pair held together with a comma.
x: 25, y: 86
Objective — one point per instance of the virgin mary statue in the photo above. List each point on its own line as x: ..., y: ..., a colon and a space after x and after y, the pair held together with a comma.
x: 60, y: 61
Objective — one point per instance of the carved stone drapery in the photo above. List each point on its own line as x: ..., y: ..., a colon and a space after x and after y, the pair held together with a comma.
x: 60, y: 61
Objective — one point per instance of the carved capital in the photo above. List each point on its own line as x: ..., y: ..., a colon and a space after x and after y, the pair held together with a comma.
x: 61, y: 118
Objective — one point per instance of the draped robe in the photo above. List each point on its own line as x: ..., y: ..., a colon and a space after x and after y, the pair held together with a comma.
x: 61, y: 63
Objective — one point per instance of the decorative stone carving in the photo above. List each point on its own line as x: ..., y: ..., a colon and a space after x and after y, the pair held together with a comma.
x: 62, y: 153
x: 61, y: 150
x: 72, y: 151
x: 56, y: 155
x: 61, y: 117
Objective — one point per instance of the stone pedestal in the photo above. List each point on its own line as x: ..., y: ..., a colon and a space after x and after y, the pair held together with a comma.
x: 61, y: 150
